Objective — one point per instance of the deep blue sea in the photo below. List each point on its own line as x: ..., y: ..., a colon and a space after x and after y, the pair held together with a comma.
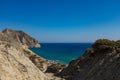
x: 61, y: 52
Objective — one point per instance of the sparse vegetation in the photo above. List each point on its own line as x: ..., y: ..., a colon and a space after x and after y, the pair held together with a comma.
x: 103, y: 45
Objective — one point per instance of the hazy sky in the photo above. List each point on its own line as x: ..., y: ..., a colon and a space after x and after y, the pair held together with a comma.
x: 63, y: 20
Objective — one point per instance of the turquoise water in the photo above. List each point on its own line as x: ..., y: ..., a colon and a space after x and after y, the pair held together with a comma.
x: 62, y: 52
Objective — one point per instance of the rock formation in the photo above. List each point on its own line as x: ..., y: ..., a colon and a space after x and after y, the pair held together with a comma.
x: 14, y: 65
x: 38, y: 61
x: 22, y: 38
x: 101, y: 62
x: 17, y: 62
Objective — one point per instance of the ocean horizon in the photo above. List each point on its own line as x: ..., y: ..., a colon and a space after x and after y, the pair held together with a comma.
x: 61, y: 52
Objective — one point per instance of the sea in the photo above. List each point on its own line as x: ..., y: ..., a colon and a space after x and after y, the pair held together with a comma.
x: 61, y: 52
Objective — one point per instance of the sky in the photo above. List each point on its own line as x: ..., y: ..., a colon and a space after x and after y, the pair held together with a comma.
x: 53, y: 21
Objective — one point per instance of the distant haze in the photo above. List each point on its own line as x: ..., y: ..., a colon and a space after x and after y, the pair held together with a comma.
x: 63, y: 20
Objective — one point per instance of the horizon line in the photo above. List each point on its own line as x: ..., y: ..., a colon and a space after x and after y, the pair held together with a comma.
x: 65, y: 42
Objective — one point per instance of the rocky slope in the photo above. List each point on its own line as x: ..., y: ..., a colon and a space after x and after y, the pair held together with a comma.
x: 48, y: 68
x: 22, y: 37
x: 38, y: 61
x: 101, y: 62
x: 18, y: 62
x: 14, y: 65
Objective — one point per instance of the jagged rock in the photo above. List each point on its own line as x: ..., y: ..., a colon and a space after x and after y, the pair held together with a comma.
x: 98, y: 63
x: 22, y: 38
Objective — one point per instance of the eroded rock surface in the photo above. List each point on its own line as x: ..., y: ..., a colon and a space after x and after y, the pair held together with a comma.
x: 101, y: 62
x: 14, y: 65
x: 22, y: 38
x: 17, y: 62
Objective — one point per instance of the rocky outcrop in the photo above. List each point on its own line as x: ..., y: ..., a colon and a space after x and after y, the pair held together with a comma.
x: 22, y: 38
x: 101, y: 62
x: 38, y: 61
x: 17, y: 62
x: 14, y: 65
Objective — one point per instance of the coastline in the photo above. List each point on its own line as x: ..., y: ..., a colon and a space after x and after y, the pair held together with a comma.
x: 61, y: 52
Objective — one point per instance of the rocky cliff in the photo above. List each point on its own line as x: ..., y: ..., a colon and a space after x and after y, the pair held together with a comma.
x: 17, y: 62
x: 22, y: 37
x: 14, y: 65
x: 101, y: 62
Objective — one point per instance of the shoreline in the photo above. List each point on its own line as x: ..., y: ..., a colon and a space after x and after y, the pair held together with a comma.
x: 56, y: 62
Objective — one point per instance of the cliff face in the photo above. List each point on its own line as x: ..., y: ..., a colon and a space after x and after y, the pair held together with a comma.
x: 22, y: 37
x: 101, y: 62
x: 14, y: 65
x: 17, y: 62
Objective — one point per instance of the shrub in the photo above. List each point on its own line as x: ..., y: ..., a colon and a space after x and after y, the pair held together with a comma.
x: 117, y: 43
x: 103, y: 45
x: 103, y: 42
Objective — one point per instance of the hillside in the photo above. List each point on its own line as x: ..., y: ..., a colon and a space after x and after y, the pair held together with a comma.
x: 14, y: 65
x: 22, y: 38
x: 17, y: 62
x: 101, y: 62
